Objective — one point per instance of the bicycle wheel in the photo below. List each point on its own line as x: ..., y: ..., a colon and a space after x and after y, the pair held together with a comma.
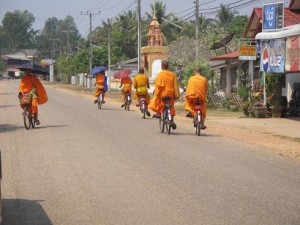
x: 162, y: 123
x: 100, y: 101
x: 26, y: 118
x: 197, y: 124
x: 127, y: 106
x: 168, y: 125
x: 32, y: 121
x: 144, y: 111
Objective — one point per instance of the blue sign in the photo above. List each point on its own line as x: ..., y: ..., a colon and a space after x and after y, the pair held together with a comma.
x: 273, y: 16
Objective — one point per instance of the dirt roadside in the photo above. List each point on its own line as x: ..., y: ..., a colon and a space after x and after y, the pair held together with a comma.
x: 219, y: 123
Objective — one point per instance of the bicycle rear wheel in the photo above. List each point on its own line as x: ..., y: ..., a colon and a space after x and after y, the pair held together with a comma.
x: 168, y: 127
x: 26, y: 118
x: 100, y: 101
x: 197, y: 124
x: 32, y: 121
x: 162, y: 123
x: 144, y: 111
x: 127, y: 105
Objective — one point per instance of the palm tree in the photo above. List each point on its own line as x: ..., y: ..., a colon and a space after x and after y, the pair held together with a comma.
x: 160, y: 11
x: 169, y: 31
x: 225, y: 16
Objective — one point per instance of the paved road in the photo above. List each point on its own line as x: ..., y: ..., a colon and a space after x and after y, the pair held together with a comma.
x: 90, y: 167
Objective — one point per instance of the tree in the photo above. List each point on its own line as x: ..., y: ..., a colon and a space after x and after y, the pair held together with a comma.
x: 58, y: 36
x: 170, y: 32
x: 18, y: 30
x: 2, y: 66
x: 225, y: 16
x: 238, y: 25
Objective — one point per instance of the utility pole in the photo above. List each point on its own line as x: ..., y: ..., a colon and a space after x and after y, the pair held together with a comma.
x: 108, y: 47
x: 54, y: 40
x: 197, y: 30
x: 87, y: 13
x: 139, y: 33
x: 68, y: 39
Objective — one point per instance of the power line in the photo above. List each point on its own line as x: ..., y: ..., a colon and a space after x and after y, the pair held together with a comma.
x: 90, y: 37
x: 233, y: 7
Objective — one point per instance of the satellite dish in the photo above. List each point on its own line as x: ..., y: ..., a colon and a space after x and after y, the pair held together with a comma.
x: 223, y: 42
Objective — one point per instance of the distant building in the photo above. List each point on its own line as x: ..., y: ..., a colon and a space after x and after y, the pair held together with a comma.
x: 155, y: 52
x: 17, y: 58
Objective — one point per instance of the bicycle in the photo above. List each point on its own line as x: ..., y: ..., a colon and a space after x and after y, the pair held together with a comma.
x: 127, y: 100
x: 100, y: 99
x: 143, y: 106
x: 166, y: 119
x: 197, y: 120
x: 28, y: 117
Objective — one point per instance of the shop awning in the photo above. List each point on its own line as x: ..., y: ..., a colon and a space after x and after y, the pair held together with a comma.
x: 286, y: 32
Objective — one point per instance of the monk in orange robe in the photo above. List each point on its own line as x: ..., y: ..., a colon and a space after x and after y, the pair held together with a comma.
x: 166, y: 84
x: 126, y: 85
x: 196, y: 91
x: 101, y: 82
x: 141, y: 84
x: 30, y: 84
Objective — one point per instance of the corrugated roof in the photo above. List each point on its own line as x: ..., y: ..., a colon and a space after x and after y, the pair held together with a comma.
x: 231, y: 55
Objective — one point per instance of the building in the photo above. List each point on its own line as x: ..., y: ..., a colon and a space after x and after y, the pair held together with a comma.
x: 16, y: 59
x: 255, y: 35
x: 154, y: 52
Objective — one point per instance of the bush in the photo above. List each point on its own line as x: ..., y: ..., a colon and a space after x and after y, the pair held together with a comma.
x: 243, y: 92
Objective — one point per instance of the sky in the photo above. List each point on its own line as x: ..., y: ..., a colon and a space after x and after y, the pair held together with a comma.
x: 42, y: 9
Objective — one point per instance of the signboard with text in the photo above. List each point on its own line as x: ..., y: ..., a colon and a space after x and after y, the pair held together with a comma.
x: 247, y: 52
x: 272, y: 56
x: 273, y: 16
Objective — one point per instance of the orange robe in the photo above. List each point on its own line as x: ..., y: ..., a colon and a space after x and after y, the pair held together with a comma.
x: 141, y: 84
x: 27, y: 83
x: 196, y: 88
x: 127, y: 85
x: 166, y: 84
x: 101, y: 83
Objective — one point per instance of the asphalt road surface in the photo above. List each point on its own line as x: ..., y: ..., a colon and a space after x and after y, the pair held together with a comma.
x: 93, y: 167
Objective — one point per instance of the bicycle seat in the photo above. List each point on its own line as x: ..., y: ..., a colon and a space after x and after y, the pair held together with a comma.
x: 166, y: 98
x: 197, y: 107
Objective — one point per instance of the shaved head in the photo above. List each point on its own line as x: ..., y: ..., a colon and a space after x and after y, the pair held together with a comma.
x: 165, y: 65
x: 141, y: 70
x: 197, y: 70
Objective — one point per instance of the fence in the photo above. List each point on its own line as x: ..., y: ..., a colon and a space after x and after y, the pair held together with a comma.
x: 220, y: 101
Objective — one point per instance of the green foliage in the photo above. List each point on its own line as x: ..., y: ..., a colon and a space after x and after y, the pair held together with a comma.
x: 2, y: 66
x: 238, y: 25
x: 189, y: 70
x: 243, y: 92
x: 17, y: 28
x: 225, y: 16
x: 58, y: 35
x: 273, y: 89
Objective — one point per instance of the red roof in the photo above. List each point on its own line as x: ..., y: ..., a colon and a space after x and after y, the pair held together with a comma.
x: 231, y: 55
x: 254, y: 25
x: 294, y: 5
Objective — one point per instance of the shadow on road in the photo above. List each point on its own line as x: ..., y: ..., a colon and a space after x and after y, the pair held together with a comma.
x: 7, y: 106
x: 21, y: 211
x: 9, y: 128
x: 9, y: 94
x: 109, y: 109
x: 193, y: 134
x: 49, y: 126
